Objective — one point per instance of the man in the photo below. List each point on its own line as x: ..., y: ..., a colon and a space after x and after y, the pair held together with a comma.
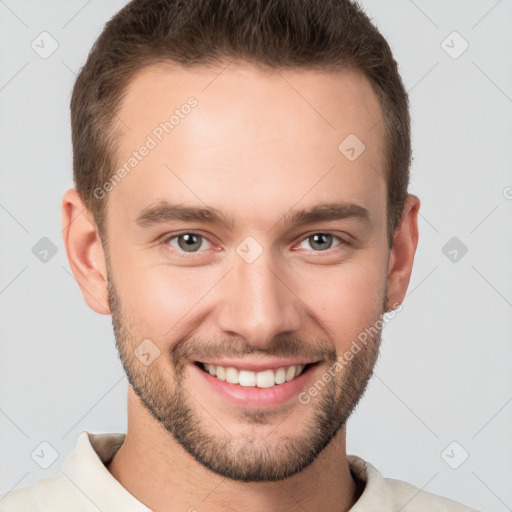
x: 241, y: 210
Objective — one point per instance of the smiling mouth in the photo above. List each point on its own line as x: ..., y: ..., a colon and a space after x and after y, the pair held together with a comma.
x: 261, y: 379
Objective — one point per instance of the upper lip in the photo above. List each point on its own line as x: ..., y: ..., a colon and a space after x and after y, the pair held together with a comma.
x: 256, y: 366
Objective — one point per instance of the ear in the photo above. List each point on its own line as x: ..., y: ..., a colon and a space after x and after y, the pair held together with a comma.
x: 405, y: 241
x: 85, y: 251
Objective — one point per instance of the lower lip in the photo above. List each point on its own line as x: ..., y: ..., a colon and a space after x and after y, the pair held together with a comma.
x: 257, y: 397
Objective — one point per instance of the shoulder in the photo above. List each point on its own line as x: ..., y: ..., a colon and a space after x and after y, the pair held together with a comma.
x: 409, y: 498
x: 391, y: 495
x: 50, y: 493
x: 22, y: 499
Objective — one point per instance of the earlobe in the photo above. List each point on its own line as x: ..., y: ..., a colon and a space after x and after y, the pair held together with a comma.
x: 401, y: 258
x: 85, y: 252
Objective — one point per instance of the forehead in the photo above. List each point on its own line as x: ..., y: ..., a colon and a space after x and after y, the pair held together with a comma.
x: 259, y: 138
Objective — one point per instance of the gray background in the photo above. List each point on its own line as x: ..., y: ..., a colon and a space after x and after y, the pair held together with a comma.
x: 444, y: 371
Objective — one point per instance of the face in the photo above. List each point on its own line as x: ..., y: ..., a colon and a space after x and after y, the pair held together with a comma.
x: 243, y: 237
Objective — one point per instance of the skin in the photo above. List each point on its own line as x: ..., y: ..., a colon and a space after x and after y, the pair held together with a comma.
x: 257, y: 146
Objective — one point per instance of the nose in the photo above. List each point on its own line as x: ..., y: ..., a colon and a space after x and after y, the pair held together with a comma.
x: 258, y: 302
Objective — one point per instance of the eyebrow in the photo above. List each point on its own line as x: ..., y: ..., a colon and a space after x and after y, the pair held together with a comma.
x: 164, y: 211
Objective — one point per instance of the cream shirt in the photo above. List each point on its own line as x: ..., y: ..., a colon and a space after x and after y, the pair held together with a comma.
x: 84, y: 484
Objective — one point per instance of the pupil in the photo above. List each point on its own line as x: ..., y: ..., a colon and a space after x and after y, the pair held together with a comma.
x: 320, y: 238
x: 189, y: 241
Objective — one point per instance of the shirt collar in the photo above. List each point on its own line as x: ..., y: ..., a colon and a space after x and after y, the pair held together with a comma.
x: 376, y: 494
x: 97, y: 489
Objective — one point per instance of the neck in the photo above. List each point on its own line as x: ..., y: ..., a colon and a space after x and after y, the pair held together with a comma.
x: 155, y: 469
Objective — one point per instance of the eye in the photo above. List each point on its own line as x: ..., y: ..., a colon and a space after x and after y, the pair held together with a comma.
x: 190, y: 242
x: 186, y: 242
x: 322, y: 241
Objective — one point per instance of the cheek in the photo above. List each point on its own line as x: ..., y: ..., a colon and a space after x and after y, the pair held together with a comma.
x: 157, y: 299
x: 162, y: 302
x: 345, y: 299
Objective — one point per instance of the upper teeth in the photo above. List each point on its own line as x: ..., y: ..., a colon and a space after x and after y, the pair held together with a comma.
x: 263, y: 379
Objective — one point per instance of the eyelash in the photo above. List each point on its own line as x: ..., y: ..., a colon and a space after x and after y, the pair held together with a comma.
x: 166, y: 242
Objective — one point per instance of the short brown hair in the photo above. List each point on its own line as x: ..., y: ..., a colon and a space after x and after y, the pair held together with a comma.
x: 276, y: 34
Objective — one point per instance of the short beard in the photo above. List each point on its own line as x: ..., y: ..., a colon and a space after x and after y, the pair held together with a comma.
x: 247, y: 458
